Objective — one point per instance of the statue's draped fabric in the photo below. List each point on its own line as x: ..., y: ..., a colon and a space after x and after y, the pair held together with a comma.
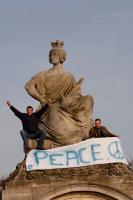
x: 68, y: 119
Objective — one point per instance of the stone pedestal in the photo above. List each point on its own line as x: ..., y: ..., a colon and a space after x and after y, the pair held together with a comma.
x: 98, y: 182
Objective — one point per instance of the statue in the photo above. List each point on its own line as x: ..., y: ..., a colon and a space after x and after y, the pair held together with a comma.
x: 68, y: 120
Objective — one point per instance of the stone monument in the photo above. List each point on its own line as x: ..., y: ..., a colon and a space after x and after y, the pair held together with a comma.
x: 66, y: 122
x: 69, y: 118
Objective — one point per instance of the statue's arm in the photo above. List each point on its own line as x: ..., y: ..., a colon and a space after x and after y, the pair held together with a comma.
x: 31, y: 88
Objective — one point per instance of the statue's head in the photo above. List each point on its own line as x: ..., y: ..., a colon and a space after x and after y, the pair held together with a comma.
x: 57, y: 54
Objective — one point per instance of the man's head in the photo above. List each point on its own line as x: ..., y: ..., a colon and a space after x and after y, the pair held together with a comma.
x: 97, y: 123
x: 29, y: 110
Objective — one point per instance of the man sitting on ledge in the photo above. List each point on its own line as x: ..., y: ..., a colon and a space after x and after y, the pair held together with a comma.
x: 100, y: 131
x: 30, y: 125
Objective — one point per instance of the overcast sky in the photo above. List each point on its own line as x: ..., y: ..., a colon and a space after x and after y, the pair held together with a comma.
x: 98, y: 36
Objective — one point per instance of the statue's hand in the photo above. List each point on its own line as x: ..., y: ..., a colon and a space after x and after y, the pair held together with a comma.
x: 43, y: 101
x: 49, y: 102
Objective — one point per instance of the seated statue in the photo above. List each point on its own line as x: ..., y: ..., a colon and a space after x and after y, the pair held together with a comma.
x: 69, y: 118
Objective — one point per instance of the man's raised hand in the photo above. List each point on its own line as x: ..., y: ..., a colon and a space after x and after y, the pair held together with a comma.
x: 8, y: 103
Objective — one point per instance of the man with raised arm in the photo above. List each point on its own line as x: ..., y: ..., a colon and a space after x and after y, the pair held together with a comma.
x: 30, y: 125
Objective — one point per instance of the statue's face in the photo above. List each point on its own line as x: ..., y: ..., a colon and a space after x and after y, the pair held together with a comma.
x: 54, y: 57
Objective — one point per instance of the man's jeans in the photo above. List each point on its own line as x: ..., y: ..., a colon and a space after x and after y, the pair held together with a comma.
x: 39, y: 136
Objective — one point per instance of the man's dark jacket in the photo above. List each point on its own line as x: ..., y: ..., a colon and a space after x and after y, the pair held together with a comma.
x: 30, y: 122
x: 103, y: 132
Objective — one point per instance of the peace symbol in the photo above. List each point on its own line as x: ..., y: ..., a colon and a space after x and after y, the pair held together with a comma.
x: 115, y: 150
x: 30, y: 167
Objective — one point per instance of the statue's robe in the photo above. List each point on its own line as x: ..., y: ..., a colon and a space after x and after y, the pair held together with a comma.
x: 68, y: 119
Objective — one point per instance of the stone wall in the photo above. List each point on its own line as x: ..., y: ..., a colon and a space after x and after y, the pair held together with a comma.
x: 101, y: 182
x: 74, y: 190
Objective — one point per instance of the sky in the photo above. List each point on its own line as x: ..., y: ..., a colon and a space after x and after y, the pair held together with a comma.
x: 98, y: 37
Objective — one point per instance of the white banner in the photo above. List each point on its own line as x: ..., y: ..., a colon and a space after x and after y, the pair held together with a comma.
x: 89, y: 152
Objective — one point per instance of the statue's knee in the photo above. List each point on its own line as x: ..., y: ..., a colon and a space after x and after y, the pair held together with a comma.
x: 89, y: 100
x: 90, y: 97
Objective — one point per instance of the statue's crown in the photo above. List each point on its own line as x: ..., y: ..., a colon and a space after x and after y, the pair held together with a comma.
x: 58, y: 44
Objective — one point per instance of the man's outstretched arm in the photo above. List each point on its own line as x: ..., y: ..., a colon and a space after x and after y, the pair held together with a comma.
x: 16, y: 112
x: 109, y: 134
x: 44, y: 108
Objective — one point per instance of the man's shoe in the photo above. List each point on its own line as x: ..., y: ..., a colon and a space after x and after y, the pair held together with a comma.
x: 27, y: 149
x: 40, y: 148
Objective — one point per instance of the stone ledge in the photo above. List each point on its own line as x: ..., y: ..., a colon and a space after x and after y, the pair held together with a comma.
x: 108, y: 179
x: 21, y: 177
